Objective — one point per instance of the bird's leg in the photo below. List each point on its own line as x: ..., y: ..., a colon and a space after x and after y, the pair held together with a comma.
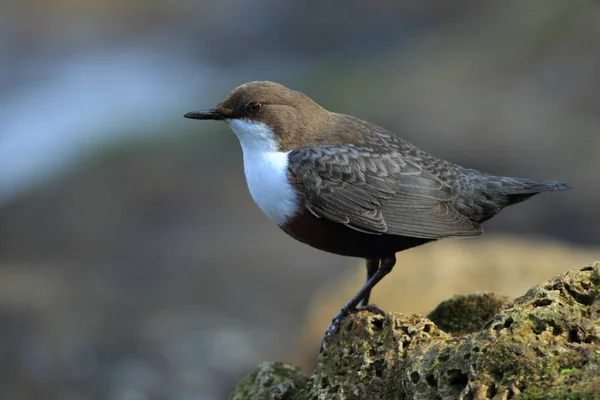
x: 387, y: 264
x: 372, y: 267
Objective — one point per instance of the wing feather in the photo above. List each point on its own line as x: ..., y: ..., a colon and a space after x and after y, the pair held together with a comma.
x: 377, y: 193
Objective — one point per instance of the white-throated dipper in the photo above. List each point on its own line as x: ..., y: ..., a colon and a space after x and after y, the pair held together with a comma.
x: 349, y: 187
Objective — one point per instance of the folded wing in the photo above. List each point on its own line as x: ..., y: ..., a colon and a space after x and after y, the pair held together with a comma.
x: 376, y: 193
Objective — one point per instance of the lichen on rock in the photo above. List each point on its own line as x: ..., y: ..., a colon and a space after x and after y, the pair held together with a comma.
x: 542, y: 345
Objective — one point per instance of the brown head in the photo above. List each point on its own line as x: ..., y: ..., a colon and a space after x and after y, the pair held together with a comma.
x: 294, y: 119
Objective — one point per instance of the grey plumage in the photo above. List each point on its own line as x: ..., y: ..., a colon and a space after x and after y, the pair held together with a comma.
x: 377, y: 193
x: 397, y: 192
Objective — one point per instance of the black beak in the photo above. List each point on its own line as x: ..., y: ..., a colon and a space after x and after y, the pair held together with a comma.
x: 206, y: 114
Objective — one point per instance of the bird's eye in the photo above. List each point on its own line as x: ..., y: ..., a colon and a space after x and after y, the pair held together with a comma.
x: 253, y: 107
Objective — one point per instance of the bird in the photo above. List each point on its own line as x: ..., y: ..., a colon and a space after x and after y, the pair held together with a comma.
x: 349, y: 187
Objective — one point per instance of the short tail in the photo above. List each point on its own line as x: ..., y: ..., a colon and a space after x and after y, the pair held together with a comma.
x: 519, y: 189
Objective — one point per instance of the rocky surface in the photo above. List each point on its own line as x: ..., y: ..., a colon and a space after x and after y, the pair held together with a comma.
x: 542, y: 345
x: 466, y: 313
x: 273, y: 381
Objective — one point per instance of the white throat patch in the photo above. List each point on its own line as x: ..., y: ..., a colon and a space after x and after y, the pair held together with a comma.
x: 266, y: 170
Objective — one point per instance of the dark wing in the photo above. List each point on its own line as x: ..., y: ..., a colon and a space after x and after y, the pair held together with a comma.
x: 376, y: 193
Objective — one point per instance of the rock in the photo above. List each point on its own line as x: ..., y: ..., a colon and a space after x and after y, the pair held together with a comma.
x: 466, y: 313
x: 272, y: 381
x: 542, y: 345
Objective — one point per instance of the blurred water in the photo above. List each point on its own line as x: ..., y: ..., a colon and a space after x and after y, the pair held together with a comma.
x: 86, y: 100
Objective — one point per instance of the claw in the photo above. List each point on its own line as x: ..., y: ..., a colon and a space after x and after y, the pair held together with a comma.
x: 337, y: 320
x: 333, y: 328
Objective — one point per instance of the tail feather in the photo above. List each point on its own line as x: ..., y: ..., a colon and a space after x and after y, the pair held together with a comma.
x: 518, y: 189
x: 528, y: 186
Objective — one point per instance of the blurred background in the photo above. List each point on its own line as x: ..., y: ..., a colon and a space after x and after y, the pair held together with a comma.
x: 133, y: 262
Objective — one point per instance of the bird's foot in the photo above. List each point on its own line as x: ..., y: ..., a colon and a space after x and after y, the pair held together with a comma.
x: 333, y: 328
x: 337, y: 320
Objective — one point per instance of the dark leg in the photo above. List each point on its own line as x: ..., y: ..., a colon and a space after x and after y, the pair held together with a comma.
x: 372, y: 267
x: 387, y: 264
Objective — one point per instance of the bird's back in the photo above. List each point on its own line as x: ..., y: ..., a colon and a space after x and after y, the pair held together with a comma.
x: 477, y: 195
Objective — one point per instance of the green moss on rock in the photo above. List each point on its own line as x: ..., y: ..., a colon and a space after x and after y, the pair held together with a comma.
x: 466, y: 313
x: 523, y: 351
x: 270, y: 381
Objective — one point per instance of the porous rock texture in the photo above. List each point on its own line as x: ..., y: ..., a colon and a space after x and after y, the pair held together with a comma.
x: 542, y: 345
